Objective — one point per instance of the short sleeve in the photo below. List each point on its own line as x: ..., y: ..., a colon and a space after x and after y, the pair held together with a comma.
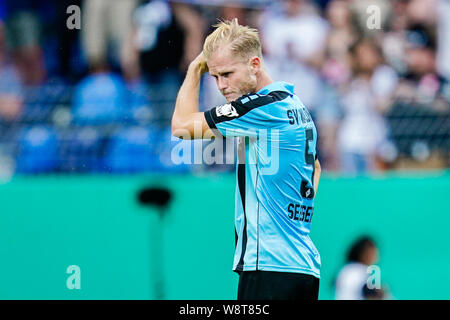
x: 242, y: 117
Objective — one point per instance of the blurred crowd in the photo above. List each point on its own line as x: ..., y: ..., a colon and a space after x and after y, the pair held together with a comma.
x: 99, y: 98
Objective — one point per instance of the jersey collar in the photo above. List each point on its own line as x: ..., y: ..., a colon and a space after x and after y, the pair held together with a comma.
x: 277, y: 86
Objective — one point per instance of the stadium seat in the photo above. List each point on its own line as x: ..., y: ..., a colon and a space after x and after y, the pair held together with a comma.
x: 81, y: 149
x: 140, y: 149
x: 40, y: 101
x: 167, y: 146
x: 38, y: 150
x: 130, y: 150
x: 99, y: 98
x: 139, y: 108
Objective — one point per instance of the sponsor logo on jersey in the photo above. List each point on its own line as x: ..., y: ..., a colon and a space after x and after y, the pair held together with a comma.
x: 226, y: 110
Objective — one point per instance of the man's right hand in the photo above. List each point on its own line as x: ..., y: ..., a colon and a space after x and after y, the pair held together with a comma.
x: 199, y: 64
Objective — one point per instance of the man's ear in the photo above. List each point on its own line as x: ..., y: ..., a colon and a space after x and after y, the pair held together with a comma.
x: 255, y: 63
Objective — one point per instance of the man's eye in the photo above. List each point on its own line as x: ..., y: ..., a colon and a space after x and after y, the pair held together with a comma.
x: 226, y: 74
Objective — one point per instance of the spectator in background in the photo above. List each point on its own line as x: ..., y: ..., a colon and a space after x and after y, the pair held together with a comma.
x: 111, y: 93
x: 351, y: 283
x: 295, y: 40
x: 422, y: 12
x: 11, y: 87
x: 363, y: 130
x: 423, y: 79
x: 297, y: 32
x: 394, y: 37
x: 336, y: 72
x: 23, y: 36
x: 105, y: 26
x: 422, y: 84
x: 337, y: 69
x: 165, y: 38
x: 443, y: 28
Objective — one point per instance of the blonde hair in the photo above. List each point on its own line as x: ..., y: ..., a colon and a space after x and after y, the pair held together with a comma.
x: 243, y: 40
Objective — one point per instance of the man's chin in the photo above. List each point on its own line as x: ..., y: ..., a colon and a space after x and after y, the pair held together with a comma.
x: 230, y: 97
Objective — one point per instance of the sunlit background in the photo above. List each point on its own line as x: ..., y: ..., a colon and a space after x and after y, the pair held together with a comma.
x: 87, y: 91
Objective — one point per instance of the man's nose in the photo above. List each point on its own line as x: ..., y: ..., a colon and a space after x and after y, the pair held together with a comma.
x: 222, y: 84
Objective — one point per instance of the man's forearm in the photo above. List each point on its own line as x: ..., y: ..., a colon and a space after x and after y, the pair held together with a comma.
x: 187, y: 121
x: 187, y: 99
x: 317, y: 172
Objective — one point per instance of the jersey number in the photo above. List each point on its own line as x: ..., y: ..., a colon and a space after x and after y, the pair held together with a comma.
x: 306, y: 190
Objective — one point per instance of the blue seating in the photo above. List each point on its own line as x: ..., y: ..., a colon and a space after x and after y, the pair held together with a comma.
x: 130, y: 150
x: 81, y: 150
x: 38, y: 150
x: 139, y: 108
x: 167, y: 147
x: 40, y: 101
x: 99, y: 98
x: 140, y: 149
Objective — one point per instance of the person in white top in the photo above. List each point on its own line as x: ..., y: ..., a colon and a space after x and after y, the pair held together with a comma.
x: 352, y: 280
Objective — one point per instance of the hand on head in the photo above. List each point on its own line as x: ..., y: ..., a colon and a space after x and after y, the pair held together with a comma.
x: 199, y: 63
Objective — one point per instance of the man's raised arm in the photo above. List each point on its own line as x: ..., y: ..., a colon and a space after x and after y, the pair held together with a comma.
x: 187, y: 121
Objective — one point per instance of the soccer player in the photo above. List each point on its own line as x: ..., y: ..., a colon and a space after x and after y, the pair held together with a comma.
x: 274, y: 257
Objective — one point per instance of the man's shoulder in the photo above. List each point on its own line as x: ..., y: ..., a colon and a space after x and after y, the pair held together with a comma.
x: 251, y: 101
x: 244, y: 104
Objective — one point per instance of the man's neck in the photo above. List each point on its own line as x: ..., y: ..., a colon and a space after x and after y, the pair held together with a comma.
x: 264, y: 80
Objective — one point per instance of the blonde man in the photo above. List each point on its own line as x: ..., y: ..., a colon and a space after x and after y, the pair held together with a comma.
x: 277, y: 170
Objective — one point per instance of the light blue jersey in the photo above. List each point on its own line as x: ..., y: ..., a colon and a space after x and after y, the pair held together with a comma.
x: 275, y: 184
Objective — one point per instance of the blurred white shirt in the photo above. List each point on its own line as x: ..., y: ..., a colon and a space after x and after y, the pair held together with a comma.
x: 363, y: 128
x: 443, y: 53
x: 350, y: 282
x: 305, y: 34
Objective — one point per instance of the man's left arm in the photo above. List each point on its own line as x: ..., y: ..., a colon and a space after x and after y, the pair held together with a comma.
x: 187, y: 121
x: 317, y: 171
